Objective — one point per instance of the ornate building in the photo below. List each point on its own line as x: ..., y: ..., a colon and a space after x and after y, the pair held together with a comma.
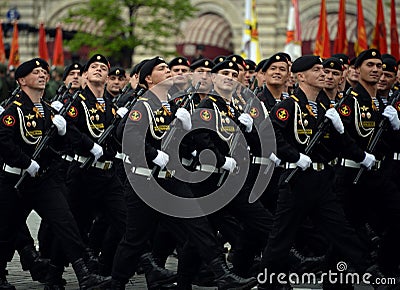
x: 216, y: 29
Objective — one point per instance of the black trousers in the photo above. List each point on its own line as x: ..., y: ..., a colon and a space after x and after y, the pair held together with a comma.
x: 142, y: 221
x: 95, y: 191
x: 310, y: 194
x: 44, y: 195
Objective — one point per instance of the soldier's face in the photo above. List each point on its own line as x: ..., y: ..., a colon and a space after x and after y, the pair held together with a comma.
x: 97, y: 72
x: 116, y: 83
x: 160, y: 73
x: 314, y: 77
x: 35, y: 80
x: 225, y: 80
x: 352, y: 74
x: 73, y: 77
x: 387, y: 80
x: 333, y: 78
x: 202, y: 75
x: 277, y: 74
x: 370, y: 71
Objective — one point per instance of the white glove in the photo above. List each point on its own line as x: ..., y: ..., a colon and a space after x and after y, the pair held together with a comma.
x: 333, y: 115
x: 230, y: 164
x: 61, y: 124
x: 275, y: 159
x: 184, y: 116
x: 391, y: 113
x: 162, y: 159
x: 33, y: 168
x: 97, y: 151
x: 304, y: 161
x: 194, y: 153
x: 246, y: 120
x: 57, y: 105
x: 368, y: 161
x: 122, y: 111
x: 1, y: 110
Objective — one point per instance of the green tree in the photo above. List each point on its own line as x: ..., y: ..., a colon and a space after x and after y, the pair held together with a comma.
x: 122, y: 29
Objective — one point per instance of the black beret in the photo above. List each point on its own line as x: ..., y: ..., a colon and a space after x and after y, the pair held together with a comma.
x: 137, y: 67
x: 367, y: 54
x: 218, y: 59
x: 27, y: 67
x: 389, y: 64
x: 261, y: 64
x: 333, y: 63
x: 204, y: 62
x: 73, y: 66
x: 342, y: 57
x: 180, y: 60
x: 96, y: 58
x: 116, y: 71
x: 305, y: 62
x: 148, y: 67
x: 226, y: 64
x: 387, y: 55
x: 278, y: 57
x: 250, y: 65
x: 238, y: 59
x: 353, y: 61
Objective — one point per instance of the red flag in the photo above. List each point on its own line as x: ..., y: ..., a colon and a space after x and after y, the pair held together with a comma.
x: 379, y: 34
x: 341, y: 38
x: 322, y: 42
x: 2, y: 50
x: 394, y: 36
x: 14, y: 51
x: 361, y: 41
x: 58, y: 55
x: 43, y: 51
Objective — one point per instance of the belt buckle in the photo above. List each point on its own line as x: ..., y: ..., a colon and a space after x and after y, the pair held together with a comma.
x: 319, y: 166
x: 107, y: 165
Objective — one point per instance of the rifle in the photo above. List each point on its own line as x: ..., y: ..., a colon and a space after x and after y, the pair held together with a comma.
x: 168, y: 138
x: 7, y: 101
x: 48, y: 135
x: 107, y: 132
x: 374, y: 141
x: 316, y: 138
x: 235, y: 140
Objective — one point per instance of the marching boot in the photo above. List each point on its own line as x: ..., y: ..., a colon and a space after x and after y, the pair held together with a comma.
x: 225, y: 279
x: 4, y: 285
x: 54, y: 279
x: 86, y: 279
x: 31, y: 260
x: 155, y: 275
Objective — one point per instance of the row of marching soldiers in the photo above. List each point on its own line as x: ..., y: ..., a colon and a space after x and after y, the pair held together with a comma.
x: 92, y: 164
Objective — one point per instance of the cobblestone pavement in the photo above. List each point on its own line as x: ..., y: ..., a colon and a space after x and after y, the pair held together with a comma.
x: 22, y: 280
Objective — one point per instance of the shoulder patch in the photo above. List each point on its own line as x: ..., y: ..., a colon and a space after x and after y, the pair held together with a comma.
x: 9, y: 120
x: 72, y: 112
x: 282, y: 114
x: 205, y: 115
x: 397, y: 106
x: 17, y: 103
x: 254, y: 112
x: 345, y: 110
x: 135, y: 115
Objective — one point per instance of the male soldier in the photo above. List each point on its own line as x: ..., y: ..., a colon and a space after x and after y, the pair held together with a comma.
x: 242, y: 67
x: 352, y: 75
x: 180, y: 67
x: 148, y: 121
x: 345, y: 60
x: 260, y: 75
x: 362, y: 204
x: 21, y: 130
x: 388, y: 79
x: 115, y: 82
x: 202, y: 73
x: 96, y: 189
x: 334, y: 79
x: 309, y: 193
x: 249, y: 75
x: 72, y: 74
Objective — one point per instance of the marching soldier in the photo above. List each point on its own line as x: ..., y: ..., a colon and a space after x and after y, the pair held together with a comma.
x: 180, y: 68
x: 333, y: 79
x: 22, y: 128
x: 116, y: 81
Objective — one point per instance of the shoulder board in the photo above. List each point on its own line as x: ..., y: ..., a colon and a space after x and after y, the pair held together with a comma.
x: 142, y: 99
x: 322, y: 105
x: 354, y: 93
x: 82, y: 97
x: 212, y: 99
x: 294, y: 98
x: 396, y: 88
x: 17, y: 103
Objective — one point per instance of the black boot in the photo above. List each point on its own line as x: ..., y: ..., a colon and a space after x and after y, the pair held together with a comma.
x: 86, y: 279
x: 92, y: 261
x: 117, y: 285
x: 225, y: 279
x: 4, y: 285
x: 54, y: 279
x: 31, y: 260
x: 155, y: 276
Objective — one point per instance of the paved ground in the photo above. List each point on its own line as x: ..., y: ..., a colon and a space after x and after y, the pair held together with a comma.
x: 22, y: 280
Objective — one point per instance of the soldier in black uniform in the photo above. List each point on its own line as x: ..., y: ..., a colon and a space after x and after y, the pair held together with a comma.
x: 309, y: 193
x: 180, y: 68
x: 345, y: 60
x: 375, y: 198
x: 150, y: 121
x: 334, y: 78
x: 116, y: 81
x: 22, y: 127
x: 96, y: 189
